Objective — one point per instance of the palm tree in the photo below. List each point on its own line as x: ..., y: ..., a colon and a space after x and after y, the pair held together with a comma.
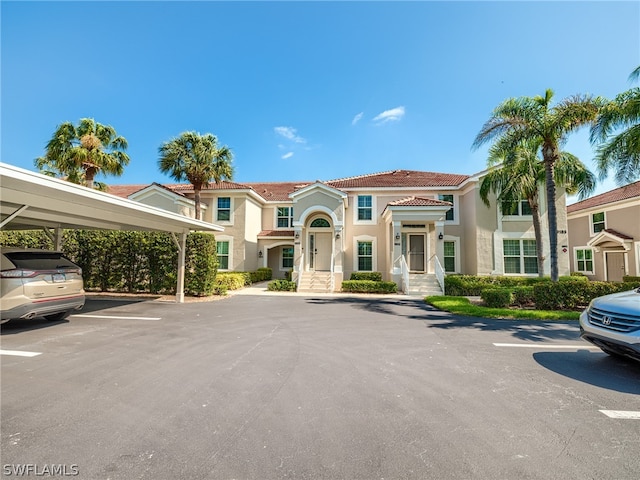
x: 517, y: 175
x: 533, y: 119
x: 78, y: 154
x: 620, y: 152
x: 197, y: 159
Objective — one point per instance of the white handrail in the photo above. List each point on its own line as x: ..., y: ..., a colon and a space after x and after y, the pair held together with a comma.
x: 404, y: 270
x: 300, y: 264
x: 439, y: 272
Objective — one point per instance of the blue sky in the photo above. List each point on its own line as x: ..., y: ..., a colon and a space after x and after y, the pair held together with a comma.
x: 303, y: 90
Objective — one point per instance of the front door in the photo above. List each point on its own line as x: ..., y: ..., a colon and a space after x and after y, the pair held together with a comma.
x: 615, y: 266
x: 320, y: 248
x: 416, y: 253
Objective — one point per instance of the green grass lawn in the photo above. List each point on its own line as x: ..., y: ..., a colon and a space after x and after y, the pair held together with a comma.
x: 462, y: 306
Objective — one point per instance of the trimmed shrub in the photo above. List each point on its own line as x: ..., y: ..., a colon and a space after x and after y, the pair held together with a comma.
x: 523, y: 296
x: 230, y: 280
x: 497, y: 297
x: 373, y: 276
x: 369, y: 286
x: 630, y: 279
x: 201, y: 264
x: 261, y: 275
x: 575, y: 295
x: 281, y: 286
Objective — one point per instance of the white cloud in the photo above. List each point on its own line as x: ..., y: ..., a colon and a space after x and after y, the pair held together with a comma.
x: 289, y: 133
x: 287, y: 155
x: 357, y: 118
x: 393, y: 115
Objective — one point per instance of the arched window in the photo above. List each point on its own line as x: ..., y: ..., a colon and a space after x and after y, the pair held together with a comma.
x: 320, y: 223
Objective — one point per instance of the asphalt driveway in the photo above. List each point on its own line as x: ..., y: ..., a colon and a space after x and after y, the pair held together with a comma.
x: 312, y: 387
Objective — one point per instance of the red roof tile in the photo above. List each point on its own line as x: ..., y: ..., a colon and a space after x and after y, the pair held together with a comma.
x: 618, y: 234
x: 125, y: 190
x: 400, y: 178
x: 623, y: 193
x: 419, y: 202
x: 276, y: 233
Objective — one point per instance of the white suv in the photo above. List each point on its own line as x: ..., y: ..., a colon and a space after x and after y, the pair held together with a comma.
x: 612, y: 322
x: 38, y: 283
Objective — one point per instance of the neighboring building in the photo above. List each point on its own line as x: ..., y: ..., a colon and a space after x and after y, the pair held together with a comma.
x: 399, y: 223
x: 604, y: 234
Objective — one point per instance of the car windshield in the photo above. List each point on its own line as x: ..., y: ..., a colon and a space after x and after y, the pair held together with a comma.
x: 40, y: 260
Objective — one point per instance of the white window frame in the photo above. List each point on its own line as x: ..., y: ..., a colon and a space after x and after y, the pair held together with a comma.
x: 517, y: 217
x: 374, y: 247
x: 224, y: 222
x: 282, y: 267
x: 224, y: 238
x: 289, y: 217
x: 454, y: 207
x: 591, y: 224
x: 593, y: 260
x: 374, y: 213
x: 522, y: 256
x: 456, y: 252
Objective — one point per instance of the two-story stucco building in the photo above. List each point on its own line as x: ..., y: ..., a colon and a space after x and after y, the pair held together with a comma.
x: 604, y: 234
x: 412, y: 226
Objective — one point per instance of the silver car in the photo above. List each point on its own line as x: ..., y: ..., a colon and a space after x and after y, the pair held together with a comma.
x: 612, y: 322
x: 38, y: 283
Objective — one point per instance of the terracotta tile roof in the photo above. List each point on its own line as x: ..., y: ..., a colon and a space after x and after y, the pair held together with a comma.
x: 277, y: 191
x: 418, y: 202
x: 623, y: 193
x: 224, y: 185
x: 125, y: 190
x: 400, y: 178
x: 276, y: 233
x: 618, y: 234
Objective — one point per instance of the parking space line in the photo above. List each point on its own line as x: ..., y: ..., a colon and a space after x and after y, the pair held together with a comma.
x: 117, y: 317
x: 18, y: 353
x: 626, y: 415
x: 546, y: 346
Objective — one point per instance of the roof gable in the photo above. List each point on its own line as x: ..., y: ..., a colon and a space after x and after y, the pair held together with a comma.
x: 623, y: 193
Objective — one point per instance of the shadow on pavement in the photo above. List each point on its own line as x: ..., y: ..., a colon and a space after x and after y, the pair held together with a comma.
x: 594, y: 368
x: 526, y: 330
x: 24, y: 325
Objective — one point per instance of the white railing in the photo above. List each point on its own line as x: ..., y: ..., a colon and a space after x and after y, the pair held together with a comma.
x: 404, y: 270
x: 437, y: 267
x: 300, y: 266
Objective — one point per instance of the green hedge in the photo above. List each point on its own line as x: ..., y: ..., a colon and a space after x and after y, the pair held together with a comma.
x: 373, y: 276
x: 123, y: 261
x: 472, y: 285
x: 369, y: 286
x: 630, y: 278
x: 497, y: 297
x: 574, y: 295
x: 281, y: 286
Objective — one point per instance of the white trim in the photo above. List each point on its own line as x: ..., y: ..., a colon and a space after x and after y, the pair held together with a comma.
x: 591, y: 232
x: 456, y: 247
x: 374, y: 249
x: 637, y: 250
x: 593, y: 260
x: 231, y: 208
x: 374, y: 210
x: 455, y: 206
x: 314, y: 210
x: 276, y: 217
x: 226, y: 238
x: 281, y: 258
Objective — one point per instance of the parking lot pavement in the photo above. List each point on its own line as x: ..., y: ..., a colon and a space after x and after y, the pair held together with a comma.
x: 293, y: 386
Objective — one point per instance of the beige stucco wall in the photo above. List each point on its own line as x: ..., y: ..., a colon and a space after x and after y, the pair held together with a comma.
x: 623, y: 218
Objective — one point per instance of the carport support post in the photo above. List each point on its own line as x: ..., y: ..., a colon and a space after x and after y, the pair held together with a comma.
x: 182, y: 251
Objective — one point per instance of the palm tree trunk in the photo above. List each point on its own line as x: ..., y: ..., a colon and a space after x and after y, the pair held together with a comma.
x: 537, y: 230
x: 196, y: 191
x: 550, y: 155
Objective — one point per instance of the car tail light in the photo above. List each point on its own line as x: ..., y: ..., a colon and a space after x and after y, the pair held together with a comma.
x: 18, y: 273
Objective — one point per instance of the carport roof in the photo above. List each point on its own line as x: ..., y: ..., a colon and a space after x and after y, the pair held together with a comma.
x: 37, y: 201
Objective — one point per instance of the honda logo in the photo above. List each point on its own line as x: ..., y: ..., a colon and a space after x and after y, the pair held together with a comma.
x: 606, y: 320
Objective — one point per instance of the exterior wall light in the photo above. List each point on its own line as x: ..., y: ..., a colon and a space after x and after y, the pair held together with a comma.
x: 440, y: 236
x: 260, y: 254
x: 297, y: 235
x: 337, y: 234
x: 398, y: 236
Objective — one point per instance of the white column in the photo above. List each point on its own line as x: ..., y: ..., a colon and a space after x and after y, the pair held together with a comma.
x: 182, y: 251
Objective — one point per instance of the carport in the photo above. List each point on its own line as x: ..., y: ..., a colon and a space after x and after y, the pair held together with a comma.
x: 31, y: 200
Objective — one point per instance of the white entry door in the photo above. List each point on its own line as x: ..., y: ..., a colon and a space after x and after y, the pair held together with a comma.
x: 320, y: 247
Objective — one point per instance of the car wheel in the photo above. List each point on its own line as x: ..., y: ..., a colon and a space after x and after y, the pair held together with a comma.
x: 57, y: 316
